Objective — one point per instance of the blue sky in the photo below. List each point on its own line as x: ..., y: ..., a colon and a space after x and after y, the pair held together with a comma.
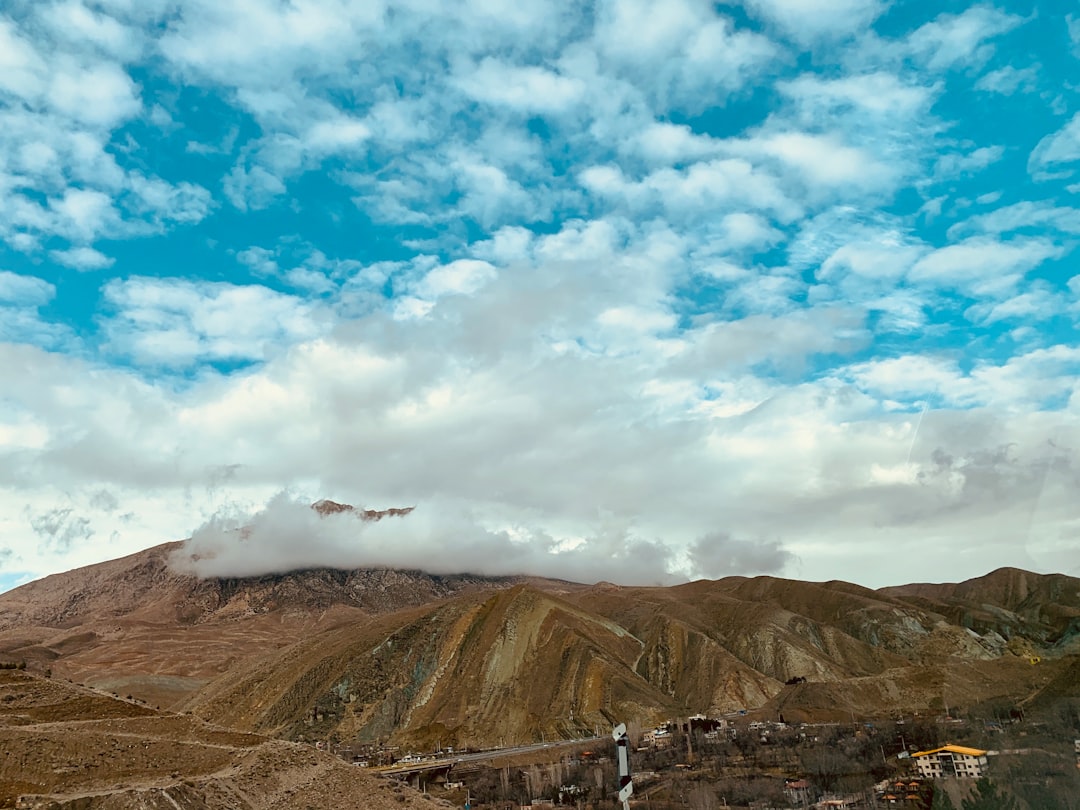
x: 620, y: 291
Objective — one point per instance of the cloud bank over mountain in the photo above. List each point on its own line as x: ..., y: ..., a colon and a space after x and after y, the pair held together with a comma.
x: 289, y: 535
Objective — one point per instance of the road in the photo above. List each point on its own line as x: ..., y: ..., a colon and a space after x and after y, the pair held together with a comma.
x: 480, y: 756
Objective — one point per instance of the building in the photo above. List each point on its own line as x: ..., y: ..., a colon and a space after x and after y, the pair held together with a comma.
x: 798, y: 792
x: 951, y: 760
x: 904, y: 793
x: 659, y: 737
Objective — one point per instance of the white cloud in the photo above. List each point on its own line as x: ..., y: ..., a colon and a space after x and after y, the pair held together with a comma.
x: 24, y: 290
x: 882, y: 97
x: 981, y: 266
x: 162, y: 202
x: 745, y: 230
x: 1008, y: 80
x: 806, y: 20
x: 82, y: 258
x: 884, y: 256
x: 681, y: 53
x: 252, y: 189
x: 1038, y: 303
x: 948, y: 42
x: 1021, y: 215
x: 823, y: 161
x: 228, y: 41
x: 67, y: 181
x: 176, y: 322
x: 522, y: 88
x: 954, y: 164
x: 84, y: 214
x: 701, y: 190
x: 1060, y: 147
x: 451, y: 408
x: 1021, y: 384
x: 250, y: 544
x: 74, y: 22
x: 338, y: 134
x: 20, y: 298
x: 463, y: 277
x: 958, y: 39
x: 22, y: 69
x: 666, y: 144
x: 260, y: 260
x: 98, y: 95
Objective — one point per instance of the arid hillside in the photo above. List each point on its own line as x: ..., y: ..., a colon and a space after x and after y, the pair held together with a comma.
x: 380, y: 654
x: 1040, y: 607
x: 136, y: 626
x: 64, y: 747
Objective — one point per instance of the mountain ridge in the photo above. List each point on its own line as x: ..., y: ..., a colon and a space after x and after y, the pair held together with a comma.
x: 376, y: 654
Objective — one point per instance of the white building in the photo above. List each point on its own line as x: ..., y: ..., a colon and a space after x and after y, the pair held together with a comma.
x: 951, y: 760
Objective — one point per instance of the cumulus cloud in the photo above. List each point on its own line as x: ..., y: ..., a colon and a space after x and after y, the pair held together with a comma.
x: 81, y: 258
x: 805, y: 20
x: 572, y: 280
x: 982, y: 266
x: 21, y: 298
x: 26, y: 290
x: 175, y: 322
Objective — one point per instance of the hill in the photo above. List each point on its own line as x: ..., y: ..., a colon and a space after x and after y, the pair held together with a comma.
x: 420, y: 659
x: 70, y: 748
x: 135, y: 625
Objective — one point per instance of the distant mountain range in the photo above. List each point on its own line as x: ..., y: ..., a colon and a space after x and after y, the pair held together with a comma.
x: 469, y: 660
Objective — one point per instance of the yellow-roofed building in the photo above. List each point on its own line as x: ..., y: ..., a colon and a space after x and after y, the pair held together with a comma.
x: 951, y: 760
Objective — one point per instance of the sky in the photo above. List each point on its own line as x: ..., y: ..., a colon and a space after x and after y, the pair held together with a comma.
x: 621, y: 291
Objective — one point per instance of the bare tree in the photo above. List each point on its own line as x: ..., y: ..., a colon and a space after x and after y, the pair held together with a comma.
x: 702, y: 797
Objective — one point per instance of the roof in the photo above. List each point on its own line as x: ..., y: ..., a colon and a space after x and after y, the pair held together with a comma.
x: 953, y: 749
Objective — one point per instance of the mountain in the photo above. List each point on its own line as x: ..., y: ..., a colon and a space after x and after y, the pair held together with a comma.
x: 515, y: 664
x: 1008, y: 601
x: 466, y: 660
x: 137, y: 625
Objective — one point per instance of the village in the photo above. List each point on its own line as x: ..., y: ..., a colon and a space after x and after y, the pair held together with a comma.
x: 705, y: 763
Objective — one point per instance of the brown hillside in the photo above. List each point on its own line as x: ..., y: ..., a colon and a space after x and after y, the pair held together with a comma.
x: 134, y: 625
x: 63, y: 747
x: 376, y: 654
x: 759, y: 632
x: 479, y: 670
x: 1008, y: 601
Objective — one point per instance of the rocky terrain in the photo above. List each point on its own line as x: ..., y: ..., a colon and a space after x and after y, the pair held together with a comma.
x: 64, y: 747
x: 378, y: 654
